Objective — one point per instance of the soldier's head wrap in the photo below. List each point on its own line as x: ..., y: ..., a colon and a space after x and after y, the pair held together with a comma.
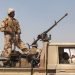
x: 10, y: 10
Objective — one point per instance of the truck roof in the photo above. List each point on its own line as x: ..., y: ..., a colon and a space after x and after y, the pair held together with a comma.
x: 62, y: 44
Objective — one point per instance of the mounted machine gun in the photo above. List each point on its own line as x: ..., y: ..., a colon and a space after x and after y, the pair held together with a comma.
x: 43, y: 36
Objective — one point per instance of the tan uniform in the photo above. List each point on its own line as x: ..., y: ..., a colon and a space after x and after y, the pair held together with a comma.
x: 35, y: 50
x: 11, y: 29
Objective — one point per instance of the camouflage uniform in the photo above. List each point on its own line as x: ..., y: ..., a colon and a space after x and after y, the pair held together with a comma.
x: 10, y: 26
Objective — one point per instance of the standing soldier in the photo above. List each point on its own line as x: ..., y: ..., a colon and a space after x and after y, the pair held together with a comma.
x: 10, y: 26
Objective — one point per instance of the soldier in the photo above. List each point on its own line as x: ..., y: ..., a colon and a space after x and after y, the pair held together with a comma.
x: 35, y: 54
x: 11, y: 28
x: 65, y: 58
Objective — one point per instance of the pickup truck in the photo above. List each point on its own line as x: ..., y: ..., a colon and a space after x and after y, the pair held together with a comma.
x: 60, y: 61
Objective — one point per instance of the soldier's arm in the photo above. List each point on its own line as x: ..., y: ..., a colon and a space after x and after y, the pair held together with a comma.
x: 18, y: 28
x: 2, y: 26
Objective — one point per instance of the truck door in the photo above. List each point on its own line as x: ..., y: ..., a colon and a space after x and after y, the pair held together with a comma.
x: 66, y: 64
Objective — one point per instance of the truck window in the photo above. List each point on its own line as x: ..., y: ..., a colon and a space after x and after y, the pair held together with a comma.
x: 66, y: 55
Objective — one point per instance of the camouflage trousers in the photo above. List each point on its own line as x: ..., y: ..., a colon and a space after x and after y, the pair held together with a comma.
x: 9, y: 41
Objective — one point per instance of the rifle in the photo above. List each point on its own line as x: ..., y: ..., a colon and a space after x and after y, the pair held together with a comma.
x: 43, y: 36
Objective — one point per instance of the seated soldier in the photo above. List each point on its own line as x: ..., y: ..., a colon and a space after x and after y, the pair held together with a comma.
x: 65, y: 58
x: 34, y: 55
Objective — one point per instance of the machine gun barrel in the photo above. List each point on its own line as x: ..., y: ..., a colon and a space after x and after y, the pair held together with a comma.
x: 45, y: 32
x: 55, y: 24
x: 35, y: 41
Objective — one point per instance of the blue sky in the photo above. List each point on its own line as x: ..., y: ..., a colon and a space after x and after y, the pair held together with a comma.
x: 35, y: 16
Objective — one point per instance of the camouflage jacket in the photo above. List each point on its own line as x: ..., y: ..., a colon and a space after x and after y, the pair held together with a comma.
x: 10, y: 25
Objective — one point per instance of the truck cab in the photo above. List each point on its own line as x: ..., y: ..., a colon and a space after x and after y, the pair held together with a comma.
x: 56, y: 53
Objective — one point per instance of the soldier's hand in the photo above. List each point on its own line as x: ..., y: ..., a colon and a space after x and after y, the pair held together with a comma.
x: 8, y: 30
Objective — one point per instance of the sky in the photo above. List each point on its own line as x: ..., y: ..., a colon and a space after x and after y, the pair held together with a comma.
x: 36, y: 16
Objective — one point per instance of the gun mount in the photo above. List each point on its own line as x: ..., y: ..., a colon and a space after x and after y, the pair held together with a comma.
x: 43, y: 36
